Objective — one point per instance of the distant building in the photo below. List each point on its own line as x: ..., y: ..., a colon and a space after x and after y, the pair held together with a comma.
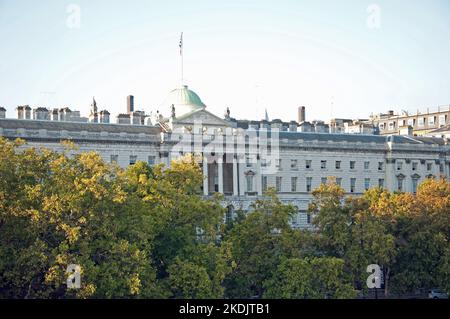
x: 421, y: 123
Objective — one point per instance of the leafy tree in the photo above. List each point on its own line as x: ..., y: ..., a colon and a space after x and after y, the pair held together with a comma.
x: 423, y: 240
x: 322, y: 277
x: 257, y: 244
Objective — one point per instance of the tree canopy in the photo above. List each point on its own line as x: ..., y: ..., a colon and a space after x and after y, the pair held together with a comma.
x: 147, y: 232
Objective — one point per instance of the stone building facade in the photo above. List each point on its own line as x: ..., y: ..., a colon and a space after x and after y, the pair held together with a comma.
x: 241, y: 159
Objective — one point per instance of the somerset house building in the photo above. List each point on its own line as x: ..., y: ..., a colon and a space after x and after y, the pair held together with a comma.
x: 240, y: 158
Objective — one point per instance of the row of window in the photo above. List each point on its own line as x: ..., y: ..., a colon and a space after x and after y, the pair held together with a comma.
x: 308, y: 181
x: 432, y: 120
x: 294, y: 163
x: 308, y: 164
x: 133, y: 159
x: 415, y: 166
x: 324, y: 164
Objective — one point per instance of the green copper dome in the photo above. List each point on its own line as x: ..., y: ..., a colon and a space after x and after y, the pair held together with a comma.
x: 184, y: 101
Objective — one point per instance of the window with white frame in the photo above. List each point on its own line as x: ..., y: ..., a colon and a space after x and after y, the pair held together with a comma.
x: 308, y: 184
x: 352, y: 185
x: 415, y: 183
x: 366, y: 183
x: 400, y: 183
x: 308, y: 164
x: 278, y: 183
x: 391, y: 126
x: 294, y: 164
x: 264, y: 183
x: 421, y: 122
x: 278, y: 163
x: 293, y: 184
x: 249, y: 180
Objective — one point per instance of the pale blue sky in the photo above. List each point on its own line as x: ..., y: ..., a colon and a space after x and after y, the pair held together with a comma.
x: 247, y: 55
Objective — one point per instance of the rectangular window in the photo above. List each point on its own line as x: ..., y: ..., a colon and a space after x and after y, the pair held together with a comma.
x: 133, y: 159
x: 293, y: 184
x: 294, y: 166
x: 338, y: 164
x: 278, y: 183
x: 391, y: 126
x: 339, y: 181
x: 381, y: 183
x: 323, y: 180
x: 429, y: 166
x: 414, y: 166
x: 400, y: 184
x: 308, y: 218
x: 352, y: 164
x: 114, y: 158
x: 308, y: 164
x: 352, y: 185
x: 264, y: 183
x: 278, y: 163
x: 411, y: 122
x: 263, y: 162
x: 415, y: 182
x: 366, y: 165
x: 366, y: 183
x: 380, y: 166
x: 308, y: 184
x: 421, y: 121
x: 151, y: 160
x: 249, y: 179
x: 399, y: 165
x: 323, y: 164
x: 441, y: 120
x: 431, y: 120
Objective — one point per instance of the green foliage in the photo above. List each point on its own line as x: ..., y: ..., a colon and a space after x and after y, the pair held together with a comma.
x: 316, y: 278
x: 257, y: 244
x: 146, y: 232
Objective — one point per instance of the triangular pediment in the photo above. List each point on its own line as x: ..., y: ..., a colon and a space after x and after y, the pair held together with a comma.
x: 201, y: 116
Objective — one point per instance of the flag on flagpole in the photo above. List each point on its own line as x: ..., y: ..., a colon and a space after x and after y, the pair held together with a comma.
x: 181, y: 44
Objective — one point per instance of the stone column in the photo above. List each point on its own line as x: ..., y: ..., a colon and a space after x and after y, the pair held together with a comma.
x: 235, y: 176
x: 205, y: 176
x: 220, y: 172
x: 390, y: 178
x: 258, y: 176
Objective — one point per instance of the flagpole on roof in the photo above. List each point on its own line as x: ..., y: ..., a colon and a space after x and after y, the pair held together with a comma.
x: 181, y: 57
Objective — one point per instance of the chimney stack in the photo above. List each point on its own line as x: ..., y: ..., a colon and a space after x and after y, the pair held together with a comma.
x: 301, y: 114
x: 130, y: 104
